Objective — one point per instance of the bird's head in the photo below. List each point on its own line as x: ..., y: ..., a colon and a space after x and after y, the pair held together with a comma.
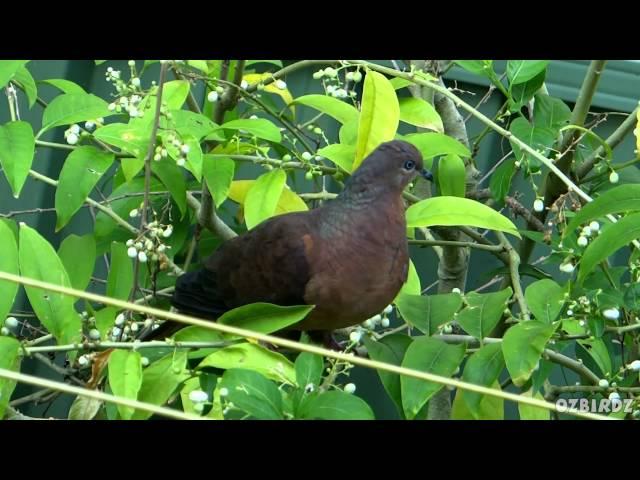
x: 396, y: 163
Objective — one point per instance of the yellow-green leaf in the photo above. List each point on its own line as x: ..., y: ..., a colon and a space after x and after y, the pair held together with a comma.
x: 262, y: 198
x: 17, y: 147
x: 419, y: 112
x: 452, y: 176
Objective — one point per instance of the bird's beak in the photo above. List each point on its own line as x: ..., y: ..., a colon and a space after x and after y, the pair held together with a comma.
x: 427, y: 175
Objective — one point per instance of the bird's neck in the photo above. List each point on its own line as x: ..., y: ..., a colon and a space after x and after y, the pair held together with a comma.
x: 361, y: 191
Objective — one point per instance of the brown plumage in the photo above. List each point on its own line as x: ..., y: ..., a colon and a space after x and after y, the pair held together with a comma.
x: 349, y: 257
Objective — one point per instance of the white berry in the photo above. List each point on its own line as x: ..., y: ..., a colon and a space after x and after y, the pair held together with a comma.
x: 224, y: 392
x: 185, y: 149
x: 350, y: 388
x: 132, y: 252
x: 306, y: 156
x: 142, y: 257
x: 611, y: 314
x: 355, y: 336
x: 94, y: 334
x: 567, y: 267
x: 213, y: 96
x: 388, y: 309
x: 83, y: 360
x: 384, y: 323
x: 538, y: 205
x: 198, y: 396
x: 244, y: 85
x: 120, y: 319
x: 614, y: 177
x: 594, y: 226
x: 144, y: 361
x: 166, y: 233
x: 72, y: 138
x: 134, y: 213
x: 635, y: 366
x: 583, y: 241
x: 4, y: 331
x: 135, y: 81
x: 11, y: 322
x: 281, y: 84
x: 604, y: 383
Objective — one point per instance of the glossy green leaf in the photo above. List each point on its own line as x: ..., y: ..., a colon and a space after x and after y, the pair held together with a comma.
x: 500, y: 182
x: 598, y: 351
x: 264, y: 317
x: 78, y: 255
x: 200, y: 65
x: 8, y: 68
x: 160, y: 380
x: 412, y: 286
x: 399, y: 83
x: 84, y: 408
x: 520, y: 71
x: 250, y: 356
x: 218, y: 172
x: 434, y: 144
x: 482, y: 368
x: 609, y: 241
x: 522, y: 348
x: 133, y: 139
x: 545, y: 299
x: 419, y: 112
x: 477, y: 67
x: 174, y: 94
x: 194, y: 157
x: 452, y: 176
x: 529, y: 412
x: 537, y: 137
x: 9, y: 360
x: 120, y: 278
x: 348, y: 134
x: 55, y: 311
x: 308, y: 369
x: 428, y: 355
x: 428, y: 312
x: 251, y: 392
x: 483, y: 312
x: 186, y: 122
x: 455, y: 211
x: 340, y: 154
x: 341, y: 111
x: 9, y: 264
x: 550, y: 111
x: 17, y: 147
x: 172, y: 178
x: 336, y: 405
x: 23, y: 76
x: 259, y: 127
x: 65, y: 86
x: 262, y: 198
x: 490, y: 408
x: 125, y: 377
x: 81, y: 171
x: 379, y: 115
x: 620, y: 199
x: 105, y: 319
x: 390, y: 349
x: 71, y: 108
x: 522, y: 93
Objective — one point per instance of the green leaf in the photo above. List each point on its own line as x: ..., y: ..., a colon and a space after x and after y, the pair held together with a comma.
x: 200, y: 65
x: 348, y: 134
x: 428, y: 312
x: 105, y: 319
x: 174, y: 94
x: 482, y: 368
x: 434, y: 144
x: 264, y: 317
x: 308, y: 367
x: 452, y: 176
x: 160, y: 380
x: 38, y: 260
x: 520, y: 71
x: 341, y: 111
x: 277, y: 63
x: 620, y: 199
x: 8, y: 68
x: 412, y: 286
x: 66, y: 86
x: 9, y: 360
x: 455, y: 211
x: 133, y: 139
x: 84, y: 408
x: 390, y: 349
x: 550, y: 111
x: 336, y: 405
x: 71, y: 108
x: 125, y: 377
x: 490, y: 408
x: 17, y: 147
x: 483, y: 312
x: 609, y: 240
x: 78, y: 255
x: 428, y: 355
x: 253, y: 357
x: 8, y: 264
x: 477, y: 67
x: 251, y: 392
x: 379, y: 115
x: 419, y: 112
x: 262, y: 198
x: 194, y: 157
x: 399, y: 83
x: 631, y: 296
x: 529, y: 412
x: 26, y: 80
x: 218, y: 173
x: 260, y: 127
x: 81, y: 171
x: 189, y: 123
x: 537, y: 137
x: 545, y: 299
x: 340, y: 154
x: 172, y: 178
x: 500, y: 182
x: 120, y: 279
x: 522, y: 93
x: 597, y: 350
x: 522, y: 347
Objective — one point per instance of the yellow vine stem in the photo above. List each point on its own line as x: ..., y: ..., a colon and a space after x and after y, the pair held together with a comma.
x: 97, y: 395
x: 363, y: 362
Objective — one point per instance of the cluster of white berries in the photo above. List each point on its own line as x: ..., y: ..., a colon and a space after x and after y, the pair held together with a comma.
x: 72, y: 134
x: 199, y: 398
x: 10, y: 323
x: 148, y: 248
x: 183, y: 150
x: 332, y: 83
x: 214, y: 95
x: 373, y: 322
x: 129, y: 104
x: 592, y: 229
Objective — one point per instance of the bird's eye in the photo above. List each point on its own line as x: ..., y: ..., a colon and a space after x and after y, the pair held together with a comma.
x: 409, y: 165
